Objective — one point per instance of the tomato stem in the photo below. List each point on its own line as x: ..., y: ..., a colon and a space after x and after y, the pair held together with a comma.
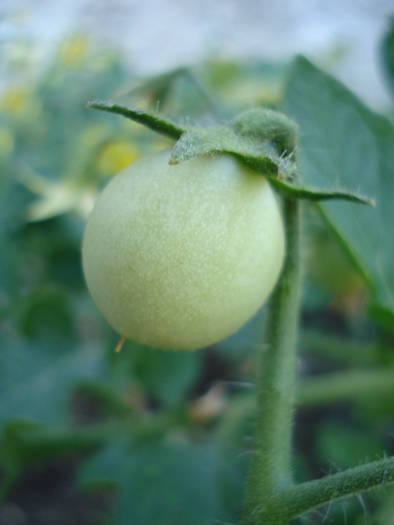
x: 304, y: 497
x: 270, y: 470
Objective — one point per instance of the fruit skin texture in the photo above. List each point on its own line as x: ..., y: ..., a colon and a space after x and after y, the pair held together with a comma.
x: 181, y: 256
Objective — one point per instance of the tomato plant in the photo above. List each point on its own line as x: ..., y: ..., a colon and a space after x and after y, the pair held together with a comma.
x: 265, y: 141
x: 224, y: 214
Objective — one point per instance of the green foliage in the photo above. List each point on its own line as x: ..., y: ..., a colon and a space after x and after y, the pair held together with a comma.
x: 185, y: 476
x: 388, y: 54
x: 193, y: 480
x: 37, y: 382
x: 167, y: 377
x: 343, y: 447
x: 106, y: 467
x: 343, y: 142
x: 262, y: 139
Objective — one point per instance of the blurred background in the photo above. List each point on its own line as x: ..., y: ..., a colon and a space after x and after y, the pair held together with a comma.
x: 150, y: 437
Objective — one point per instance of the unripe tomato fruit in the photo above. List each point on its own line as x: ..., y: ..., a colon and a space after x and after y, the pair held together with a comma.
x: 179, y: 257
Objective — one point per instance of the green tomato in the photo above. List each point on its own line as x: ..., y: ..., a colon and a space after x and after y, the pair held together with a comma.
x: 180, y: 257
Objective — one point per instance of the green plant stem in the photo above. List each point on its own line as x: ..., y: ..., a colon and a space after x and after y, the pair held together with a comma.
x: 303, y: 498
x: 39, y: 444
x: 348, y: 352
x: 270, y: 470
x: 347, y: 386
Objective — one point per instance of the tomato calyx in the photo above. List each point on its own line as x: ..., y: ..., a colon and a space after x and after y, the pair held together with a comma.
x: 262, y: 139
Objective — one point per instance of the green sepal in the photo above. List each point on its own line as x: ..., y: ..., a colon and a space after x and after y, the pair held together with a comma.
x: 313, y: 194
x: 262, y: 139
x: 146, y: 118
x: 260, y: 156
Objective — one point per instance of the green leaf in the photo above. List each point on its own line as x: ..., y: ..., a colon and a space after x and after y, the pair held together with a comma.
x: 166, y: 376
x: 36, y: 382
x: 342, y: 142
x: 159, y: 88
x: 388, y: 54
x: 173, y: 483
x: 265, y: 141
x: 223, y: 139
x: 45, y: 314
x: 105, y: 468
x: 346, y: 447
x: 311, y: 194
x: 170, y: 481
x: 150, y: 120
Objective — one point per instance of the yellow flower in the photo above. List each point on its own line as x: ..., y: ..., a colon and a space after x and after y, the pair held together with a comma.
x: 116, y: 156
x: 21, y: 103
x: 14, y: 100
x: 92, y: 135
x: 73, y: 51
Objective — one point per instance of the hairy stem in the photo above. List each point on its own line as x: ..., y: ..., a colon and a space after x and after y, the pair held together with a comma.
x: 303, y: 498
x: 270, y: 470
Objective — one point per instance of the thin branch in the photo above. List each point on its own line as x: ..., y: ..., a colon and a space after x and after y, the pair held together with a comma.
x: 151, y: 121
x: 348, y: 352
x: 303, y: 498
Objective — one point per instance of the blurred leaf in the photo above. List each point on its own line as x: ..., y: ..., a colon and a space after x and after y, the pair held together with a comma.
x: 170, y: 484
x: 345, y: 144
x: 344, y: 447
x: 246, y: 84
x: 166, y: 376
x: 337, y: 275
x: 385, y: 511
x: 55, y: 198
x: 159, y: 89
x: 46, y: 314
x: 105, y: 468
x: 388, y: 54
x: 36, y: 382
